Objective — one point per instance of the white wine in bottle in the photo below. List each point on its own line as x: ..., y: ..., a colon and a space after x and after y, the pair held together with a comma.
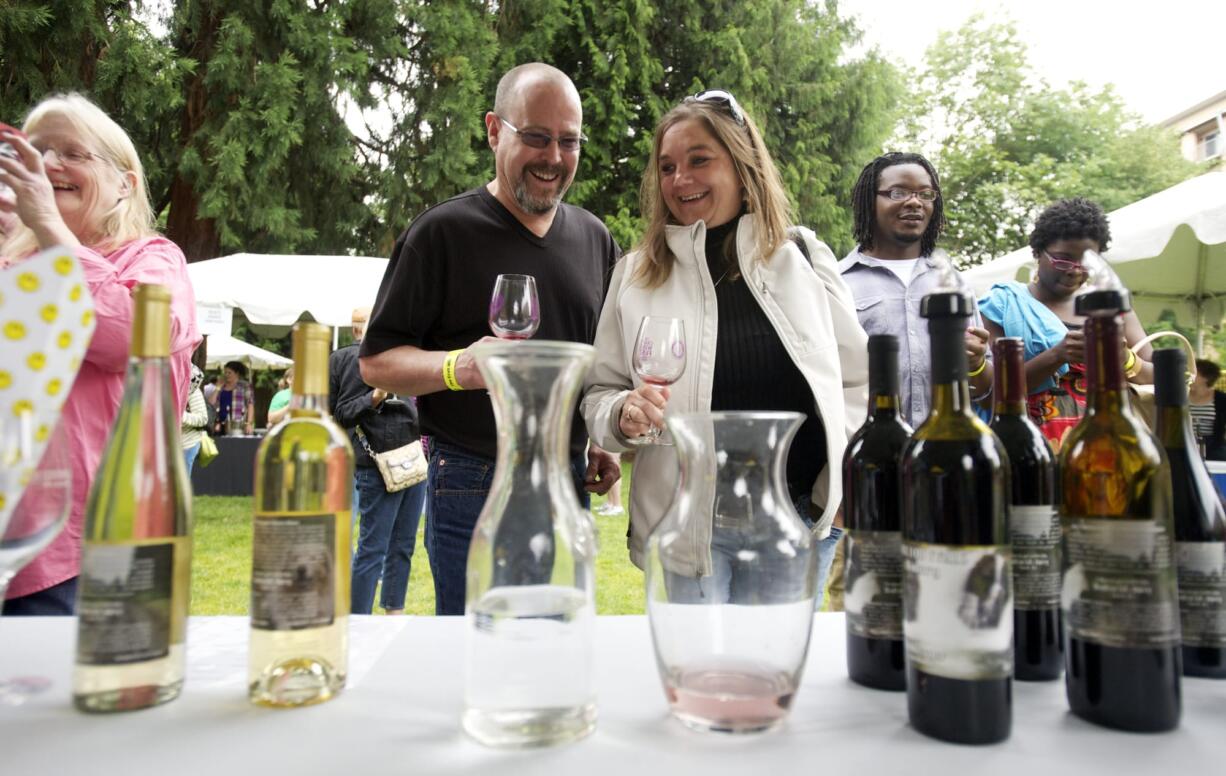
x: 301, y: 548
x: 136, y: 558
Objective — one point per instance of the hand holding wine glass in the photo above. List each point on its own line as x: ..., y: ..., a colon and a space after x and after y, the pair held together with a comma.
x: 659, y: 360
x: 515, y: 312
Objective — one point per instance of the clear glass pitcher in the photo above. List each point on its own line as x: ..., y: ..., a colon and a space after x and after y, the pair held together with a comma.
x: 530, y: 588
x: 731, y: 575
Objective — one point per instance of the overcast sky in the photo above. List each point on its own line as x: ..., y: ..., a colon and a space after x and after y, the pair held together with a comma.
x: 1162, y: 57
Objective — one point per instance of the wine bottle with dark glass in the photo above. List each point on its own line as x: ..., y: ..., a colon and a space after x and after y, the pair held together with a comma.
x: 1119, y: 597
x: 957, y: 583
x: 1200, y: 524
x: 1034, y: 526
x: 872, y: 509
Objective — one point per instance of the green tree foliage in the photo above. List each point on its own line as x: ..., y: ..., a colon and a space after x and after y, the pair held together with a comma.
x: 323, y: 126
x: 1007, y: 144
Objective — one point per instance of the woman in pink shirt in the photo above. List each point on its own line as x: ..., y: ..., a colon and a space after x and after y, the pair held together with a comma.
x: 79, y: 183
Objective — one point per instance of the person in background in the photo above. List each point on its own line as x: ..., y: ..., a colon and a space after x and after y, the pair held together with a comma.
x: 79, y: 183
x: 1208, y: 407
x: 278, y: 408
x: 377, y: 421
x: 613, y: 501
x: 718, y: 222
x: 195, y: 420
x: 234, y: 400
x: 899, y: 215
x: 434, y: 303
x: 1043, y: 315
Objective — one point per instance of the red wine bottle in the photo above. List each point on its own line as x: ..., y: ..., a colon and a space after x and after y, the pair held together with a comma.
x: 957, y: 581
x: 1119, y: 600
x: 1200, y: 524
x: 872, y: 508
x: 1034, y: 527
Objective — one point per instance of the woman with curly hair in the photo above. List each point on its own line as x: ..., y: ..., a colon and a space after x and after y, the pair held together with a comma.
x: 1042, y: 314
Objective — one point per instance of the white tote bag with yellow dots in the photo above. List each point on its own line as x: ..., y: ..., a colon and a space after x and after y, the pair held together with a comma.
x: 46, y: 322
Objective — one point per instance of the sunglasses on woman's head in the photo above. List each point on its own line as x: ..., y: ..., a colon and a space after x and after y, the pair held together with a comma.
x: 724, y: 100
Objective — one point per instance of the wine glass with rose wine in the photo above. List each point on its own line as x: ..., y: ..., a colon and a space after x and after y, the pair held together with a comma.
x: 515, y: 312
x: 659, y: 357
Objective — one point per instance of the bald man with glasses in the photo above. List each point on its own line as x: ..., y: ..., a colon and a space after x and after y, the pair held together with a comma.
x: 434, y: 303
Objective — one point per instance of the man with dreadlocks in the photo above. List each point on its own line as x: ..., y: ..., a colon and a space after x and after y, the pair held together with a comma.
x: 898, y: 217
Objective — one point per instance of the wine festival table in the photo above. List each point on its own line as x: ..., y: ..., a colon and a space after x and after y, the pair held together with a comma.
x: 400, y: 715
x: 232, y: 472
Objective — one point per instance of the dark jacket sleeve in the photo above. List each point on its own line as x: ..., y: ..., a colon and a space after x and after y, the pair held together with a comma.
x: 1215, y: 447
x: 351, y: 397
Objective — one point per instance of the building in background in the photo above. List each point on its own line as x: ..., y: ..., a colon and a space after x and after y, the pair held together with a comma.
x: 1202, y: 129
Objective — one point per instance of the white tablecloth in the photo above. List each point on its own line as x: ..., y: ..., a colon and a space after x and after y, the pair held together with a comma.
x: 400, y: 714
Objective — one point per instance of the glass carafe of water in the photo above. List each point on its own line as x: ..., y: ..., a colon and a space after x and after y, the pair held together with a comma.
x: 731, y: 575
x: 530, y: 587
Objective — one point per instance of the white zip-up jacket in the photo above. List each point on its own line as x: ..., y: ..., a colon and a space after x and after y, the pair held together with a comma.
x: 812, y: 311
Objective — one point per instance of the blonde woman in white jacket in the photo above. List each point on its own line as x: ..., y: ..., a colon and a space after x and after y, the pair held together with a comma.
x: 767, y: 327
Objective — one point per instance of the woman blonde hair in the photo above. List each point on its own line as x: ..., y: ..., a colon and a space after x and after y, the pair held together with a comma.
x: 132, y: 217
x: 766, y: 201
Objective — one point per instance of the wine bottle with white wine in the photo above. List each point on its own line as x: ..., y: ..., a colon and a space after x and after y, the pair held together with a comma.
x: 136, y: 558
x: 301, y: 548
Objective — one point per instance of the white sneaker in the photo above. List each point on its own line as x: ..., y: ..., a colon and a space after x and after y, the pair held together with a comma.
x: 608, y: 510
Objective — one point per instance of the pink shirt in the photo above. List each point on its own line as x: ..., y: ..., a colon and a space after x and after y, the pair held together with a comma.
x: 94, y: 401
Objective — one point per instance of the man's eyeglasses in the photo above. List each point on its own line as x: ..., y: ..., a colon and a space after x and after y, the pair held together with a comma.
x: 569, y: 144
x: 1066, y: 265
x: 724, y: 100
x: 897, y: 194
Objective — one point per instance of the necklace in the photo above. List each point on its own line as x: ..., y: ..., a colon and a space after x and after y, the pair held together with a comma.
x: 721, y: 279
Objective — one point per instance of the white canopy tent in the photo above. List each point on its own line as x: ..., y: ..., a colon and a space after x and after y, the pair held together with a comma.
x: 223, y: 349
x: 1169, y: 249
x: 276, y: 291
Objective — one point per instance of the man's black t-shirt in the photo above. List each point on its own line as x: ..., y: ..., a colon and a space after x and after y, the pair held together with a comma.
x: 436, y: 294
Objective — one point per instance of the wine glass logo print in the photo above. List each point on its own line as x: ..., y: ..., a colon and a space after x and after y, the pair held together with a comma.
x: 514, y: 308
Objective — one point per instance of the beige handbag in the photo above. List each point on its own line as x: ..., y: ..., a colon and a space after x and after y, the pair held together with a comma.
x: 401, y: 468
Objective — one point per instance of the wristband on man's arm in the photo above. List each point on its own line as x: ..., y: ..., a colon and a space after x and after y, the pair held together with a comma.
x: 449, y: 370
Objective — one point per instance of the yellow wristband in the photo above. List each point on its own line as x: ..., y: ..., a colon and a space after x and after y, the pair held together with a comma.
x: 1130, y: 365
x: 982, y: 366
x: 449, y: 370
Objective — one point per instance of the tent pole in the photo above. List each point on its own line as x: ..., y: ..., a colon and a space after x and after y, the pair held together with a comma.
x: 1202, y: 267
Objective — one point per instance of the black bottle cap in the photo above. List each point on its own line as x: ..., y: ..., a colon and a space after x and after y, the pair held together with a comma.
x: 947, y: 304
x: 1170, y: 377
x: 1111, y: 301
x: 882, y: 364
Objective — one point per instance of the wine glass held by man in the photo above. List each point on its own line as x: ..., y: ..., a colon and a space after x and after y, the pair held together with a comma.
x: 78, y: 182
x: 720, y: 242
x: 1042, y: 313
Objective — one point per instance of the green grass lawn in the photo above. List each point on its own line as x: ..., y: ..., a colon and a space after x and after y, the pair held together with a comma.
x: 221, y: 568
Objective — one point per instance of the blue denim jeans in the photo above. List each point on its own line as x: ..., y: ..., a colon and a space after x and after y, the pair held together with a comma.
x: 386, y: 537
x: 730, y: 582
x: 189, y: 457
x: 58, y: 599
x: 459, y: 483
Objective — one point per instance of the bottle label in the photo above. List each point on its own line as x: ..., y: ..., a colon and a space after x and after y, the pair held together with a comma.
x: 293, y: 572
x: 1119, y: 587
x: 872, y: 596
x: 1035, y: 534
x: 1202, y: 593
x: 958, y: 603
x: 124, y: 608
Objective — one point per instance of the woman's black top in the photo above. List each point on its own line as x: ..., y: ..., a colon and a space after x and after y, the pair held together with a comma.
x: 753, y: 370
